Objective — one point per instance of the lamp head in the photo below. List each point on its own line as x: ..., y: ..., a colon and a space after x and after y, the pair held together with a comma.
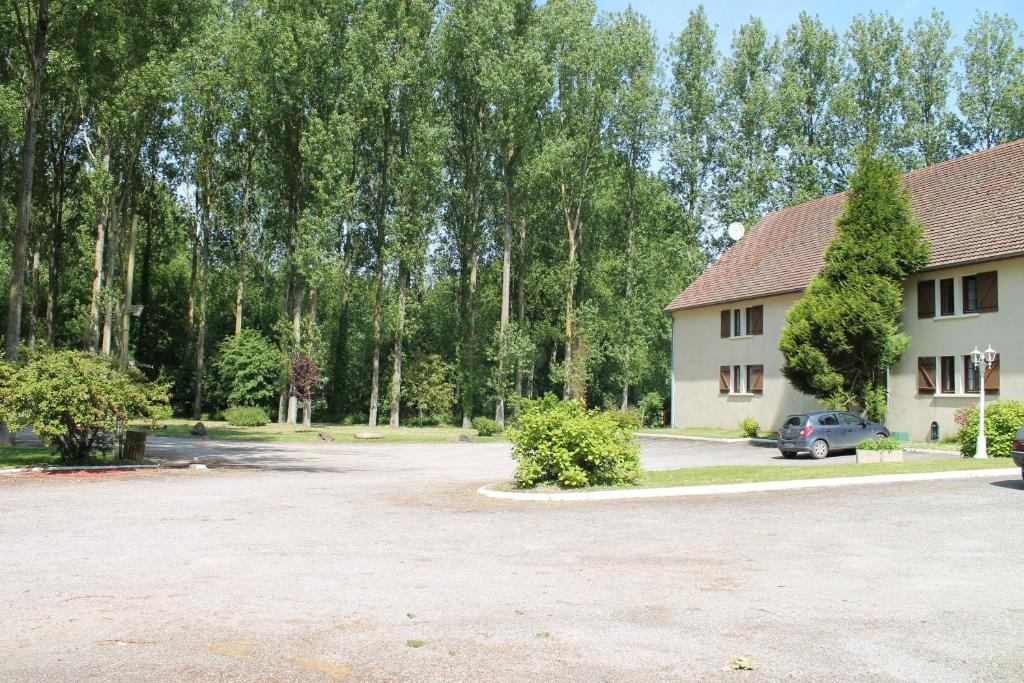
x: 990, y: 355
x: 976, y: 356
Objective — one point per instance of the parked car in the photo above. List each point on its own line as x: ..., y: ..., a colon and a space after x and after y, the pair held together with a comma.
x: 1017, y: 450
x: 819, y: 433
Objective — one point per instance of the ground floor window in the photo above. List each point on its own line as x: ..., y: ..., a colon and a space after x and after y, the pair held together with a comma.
x: 741, y: 379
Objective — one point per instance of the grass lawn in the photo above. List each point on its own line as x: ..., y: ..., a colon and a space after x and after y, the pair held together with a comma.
x: 741, y: 474
x: 35, y: 456
x: 708, y: 432
x: 341, y: 433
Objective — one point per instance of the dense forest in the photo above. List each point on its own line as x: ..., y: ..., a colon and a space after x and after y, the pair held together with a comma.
x: 418, y: 203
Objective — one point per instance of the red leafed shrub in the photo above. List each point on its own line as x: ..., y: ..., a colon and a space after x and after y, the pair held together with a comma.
x: 304, y: 377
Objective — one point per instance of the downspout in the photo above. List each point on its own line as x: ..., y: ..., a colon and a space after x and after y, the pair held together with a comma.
x: 672, y: 379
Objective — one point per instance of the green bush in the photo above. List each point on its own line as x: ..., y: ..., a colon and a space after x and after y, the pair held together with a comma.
x: 246, y: 416
x: 75, y: 402
x: 749, y: 427
x: 561, y: 442
x: 1002, y: 420
x: 885, y: 444
x: 627, y: 419
x: 248, y: 369
x: 485, y: 426
x: 651, y: 408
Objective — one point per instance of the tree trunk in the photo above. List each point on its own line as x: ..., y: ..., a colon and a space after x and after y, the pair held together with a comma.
x: 193, y: 276
x: 242, y: 243
x: 522, y: 298
x: 293, y: 402
x: 129, y: 281
x: 239, y: 286
x: 37, y: 60
x: 33, y: 290
x: 307, y: 404
x: 375, y: 376
x: 628, y: 289
x: 197, y: 406
x: 92, y: 329
x: 144, y: 285
x: 469, y: 392
x: 341, y: 342
x: 569, y: 291
x: 111, y: 261
x: 396, y: 374
x: 506, y: 301
x: 56, y: 252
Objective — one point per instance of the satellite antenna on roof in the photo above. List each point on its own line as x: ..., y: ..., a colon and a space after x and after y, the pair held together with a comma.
x: 736, y: 231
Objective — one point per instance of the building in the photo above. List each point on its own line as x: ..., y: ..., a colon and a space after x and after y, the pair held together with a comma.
x: 726, y: 324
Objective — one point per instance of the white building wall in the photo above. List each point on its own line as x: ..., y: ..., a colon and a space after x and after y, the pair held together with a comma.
x: 913, y: 412
x: 699, y: 351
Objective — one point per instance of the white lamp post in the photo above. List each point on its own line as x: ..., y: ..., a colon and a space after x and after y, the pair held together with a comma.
x: 982, y: 360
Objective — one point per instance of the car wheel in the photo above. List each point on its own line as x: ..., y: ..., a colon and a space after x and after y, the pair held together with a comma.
x: 788, y: 454
x: 819, y: 449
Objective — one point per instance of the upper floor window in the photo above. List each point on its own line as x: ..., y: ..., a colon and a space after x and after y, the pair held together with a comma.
x: 947, y: 306
x: 739, y: 322
x: 978, y: 294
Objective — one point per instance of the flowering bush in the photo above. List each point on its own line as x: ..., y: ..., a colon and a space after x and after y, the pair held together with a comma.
x: 304, y: 378
x: 1002, y: 420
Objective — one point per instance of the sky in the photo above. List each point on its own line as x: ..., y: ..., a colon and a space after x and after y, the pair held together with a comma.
x: 668, y: 17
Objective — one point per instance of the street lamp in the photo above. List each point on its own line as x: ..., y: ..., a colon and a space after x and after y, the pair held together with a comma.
x: 982, y: 360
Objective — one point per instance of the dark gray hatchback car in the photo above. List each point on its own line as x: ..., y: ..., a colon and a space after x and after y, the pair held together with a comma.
x: 1017, y: 450
x: 819, y: 433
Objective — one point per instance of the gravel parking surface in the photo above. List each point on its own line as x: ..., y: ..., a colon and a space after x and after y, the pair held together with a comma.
x: 377, y: 562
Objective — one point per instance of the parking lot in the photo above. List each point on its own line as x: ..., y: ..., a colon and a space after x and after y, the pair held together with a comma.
x: 378, y: 562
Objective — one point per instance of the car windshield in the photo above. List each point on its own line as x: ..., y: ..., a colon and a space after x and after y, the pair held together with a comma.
x: 794, y: 421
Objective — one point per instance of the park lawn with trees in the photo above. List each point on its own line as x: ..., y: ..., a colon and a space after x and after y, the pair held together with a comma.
x: 414, y: 213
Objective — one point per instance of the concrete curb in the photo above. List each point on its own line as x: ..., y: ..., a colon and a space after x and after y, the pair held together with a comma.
x: 81, y: 468
x: 709, y: 439
x: 930, y: 450
x: 715, y: 489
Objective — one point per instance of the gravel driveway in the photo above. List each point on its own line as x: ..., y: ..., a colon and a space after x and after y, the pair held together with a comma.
x: 292, y: 562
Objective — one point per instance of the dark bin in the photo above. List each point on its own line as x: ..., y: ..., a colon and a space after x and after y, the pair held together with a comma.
x: 134, y: 446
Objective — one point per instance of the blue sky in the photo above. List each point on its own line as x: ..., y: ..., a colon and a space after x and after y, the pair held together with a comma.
x: 669, y: 16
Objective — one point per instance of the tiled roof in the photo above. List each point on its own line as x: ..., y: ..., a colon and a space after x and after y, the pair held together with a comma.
x: 972, y: 209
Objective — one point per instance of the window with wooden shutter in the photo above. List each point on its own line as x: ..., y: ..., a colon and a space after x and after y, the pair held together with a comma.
x: 946, y: 304
x: 947, y: 366
x: 737, y: 327
x: 970, y: 376
x: 755, y: 379
x: 726, y: 323
x: 992, y: 377
x: 723, y: 379
x: 926, y: 299
x: 970, y: 287
x: 755, y: 320
x: 737, y: 379
x: 926, y: 375
x: 988, y: 292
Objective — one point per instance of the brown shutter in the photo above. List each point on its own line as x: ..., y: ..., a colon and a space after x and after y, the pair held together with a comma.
x: 992, y: 377
x: 726, y: 323
x: 755, y: 320
x: 988, y: 292
x: 926, y: 299
x: 724, y: 373
x: 926, y: 375
x: 757, y: 375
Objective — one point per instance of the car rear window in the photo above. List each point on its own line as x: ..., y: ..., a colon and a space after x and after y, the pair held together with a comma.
x: 794, y: 421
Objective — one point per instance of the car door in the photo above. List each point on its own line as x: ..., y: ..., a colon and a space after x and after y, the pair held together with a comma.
x: 855, y: 429
x: 831, y: 430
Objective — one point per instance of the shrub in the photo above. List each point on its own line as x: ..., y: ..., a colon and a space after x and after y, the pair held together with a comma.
x: 246, y: 416
x: 749, y: 427
x: 651, y: 408
x: 75, y: 402
x: 562, y: 442
x: 247, y: 369
x: 1002, y: 420
x: 627, y: 419
x: 885, y: 444
x: 485, y: 426
x: 428, y: 387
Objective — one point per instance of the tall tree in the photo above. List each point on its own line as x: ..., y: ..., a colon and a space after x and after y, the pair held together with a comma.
x: 993, y: 81
x: 930, y: 75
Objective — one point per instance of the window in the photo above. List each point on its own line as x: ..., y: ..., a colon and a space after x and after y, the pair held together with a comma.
x: 971, y: 294
x: 948, y: 374
x: 970, y: 376
x: 737, y: 378
x: 850, y: 419
x: 755, y: 379
x: 926, y: 375
x: 726, y: 324
x: 724, y: 373
x: 755, y: 320
x: 828, y: 421
x: 795, y: 421
x: 737, y: 322
x: 946, y: 297
x: 926, y: 299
